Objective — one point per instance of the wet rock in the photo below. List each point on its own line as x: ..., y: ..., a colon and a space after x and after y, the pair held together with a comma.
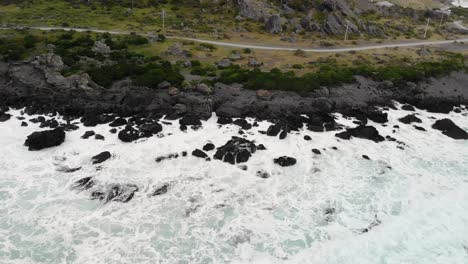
x: 88, y: 134
x: 261, y: 147
x: 365, y: 157
x: 122, y: 193
x: 99, y: 137
x: 224, y: 120
x: 200, y: 154
x: 24, y: 124
x: 45, y: 139
x: 113, y: 130
x: 316, y: 151
x: 161, y: 190
x: 129, y: 134
x: 51, y: 123
x: 322, y: 122
x: 100, y: 158
x: 420, y: 128
x: 151, y: 128
x: 285, y: 161
x: 168, y: 157
x: 209, y: 147
x: 365, y: 132
x: 4, y: 117
x: 410, y: 119
x: 283, y: 134
x: 39, y: 119
x: 83, y: 184
x: 118, y: 122
x: 236, y: 150
x: 274, y: 130
x: 242, y: 123
x: 190, y: 120
x: 408, y: 107
x: 307, y: 138
x: 450, y: 129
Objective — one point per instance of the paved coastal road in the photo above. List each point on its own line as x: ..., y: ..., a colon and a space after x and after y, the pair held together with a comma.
x: 279, y: 48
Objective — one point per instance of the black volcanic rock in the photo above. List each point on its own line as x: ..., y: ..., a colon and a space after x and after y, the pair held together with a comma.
x: 200, y: 154
x: 208, y: 147
x: 408, y: 107
x: 316, y: 151
x: 450, y: 129
x: 365, y: 132
x: 307, y: 138
x: 242, y: 123
x: 161, y: 190
x: 236, y: 150
x: 118, y: 122
x: 4, y: 117
x: 45, y: 139
x: 189, y: 120
x: 285, y: 161
x: 410, y: 119
x: 224, y: 120
x: 129, y: 134
x: 88, y: 134
x: 100, y: 158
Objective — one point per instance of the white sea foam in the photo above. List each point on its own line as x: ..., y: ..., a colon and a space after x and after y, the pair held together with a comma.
x: 214, y: 212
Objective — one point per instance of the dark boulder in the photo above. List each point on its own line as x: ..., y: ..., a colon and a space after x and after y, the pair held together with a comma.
x: 190, y: 120
x: 51, y: 123
x: 274, y: 130
x: 365, y: 157
x: 149, y: 129
x: 224, y: 120
x: 307, y: 138
x: 285, y: 161
x: 88, y: 134
x: 24, y: 124
x: 100, y: 158
x: 450, y: 129
x: 209, y: 147
x: 4, y: 117
x: 45, y: 139
x: 261, y: 147
x: 113, y: 130
x: 236, y: 150
x: 168, y: 157
x: 316, y: 151
x: 200, y: 154
x: 263, y: 174
x: 408, y: 107
x: 99, y: 137
x: 420, y: 128
x: 242, y: 123
x: 365, y: 132
x: 118, y: 122
x: 410, y: 119
x: 322, y: 122
x: 39, y: 119
x: 129, y: 134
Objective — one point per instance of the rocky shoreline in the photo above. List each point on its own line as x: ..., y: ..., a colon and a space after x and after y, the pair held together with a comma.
x: 38, y: 86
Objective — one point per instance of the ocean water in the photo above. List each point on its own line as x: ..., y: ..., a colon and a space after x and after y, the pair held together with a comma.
x: 414, y: 202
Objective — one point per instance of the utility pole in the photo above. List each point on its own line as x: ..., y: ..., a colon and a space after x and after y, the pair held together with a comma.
x: 441, y: 19
x: 164, y: 21
x: 346, y: 33
x: 427, y: 26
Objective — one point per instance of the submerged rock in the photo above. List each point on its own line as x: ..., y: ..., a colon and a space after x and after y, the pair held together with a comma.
x: 236, y: 150
x: 450, y: 129
x: 83, y: 184
x: 365, y: 132
x: 45, y: 139
x: 122, y: 193
x: 285, y: 161
x: 161, y: 190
